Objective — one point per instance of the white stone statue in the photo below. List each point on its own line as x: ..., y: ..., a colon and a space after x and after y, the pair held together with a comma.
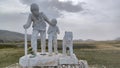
x: 53, y: 30
x: 67, y: 59
x: 38, y: 19
x: 68, y: 43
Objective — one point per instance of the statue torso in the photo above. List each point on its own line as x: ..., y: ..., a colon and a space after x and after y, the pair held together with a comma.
x: 38, y: 22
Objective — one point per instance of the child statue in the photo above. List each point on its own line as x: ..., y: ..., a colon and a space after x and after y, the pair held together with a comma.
x: 38, y: 21
x: 53, y: 30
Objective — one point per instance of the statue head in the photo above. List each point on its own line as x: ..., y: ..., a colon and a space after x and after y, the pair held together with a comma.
x: 34, y: 9
x: 54, y: 22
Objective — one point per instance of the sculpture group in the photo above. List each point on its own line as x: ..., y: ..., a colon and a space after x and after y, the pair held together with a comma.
x: 39, y: 20
x: 52, y: 58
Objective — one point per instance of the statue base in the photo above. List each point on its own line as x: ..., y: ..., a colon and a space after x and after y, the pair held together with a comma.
x: 47, y: 60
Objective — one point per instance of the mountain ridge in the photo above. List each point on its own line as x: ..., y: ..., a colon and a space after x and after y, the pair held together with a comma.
x: 6, y: 35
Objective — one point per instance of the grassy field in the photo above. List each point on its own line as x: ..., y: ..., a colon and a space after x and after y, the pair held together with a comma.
x: 98, y: 54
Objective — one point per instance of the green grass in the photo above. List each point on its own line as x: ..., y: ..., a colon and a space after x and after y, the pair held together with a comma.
x: 97, y: 54
x: 10, y: 56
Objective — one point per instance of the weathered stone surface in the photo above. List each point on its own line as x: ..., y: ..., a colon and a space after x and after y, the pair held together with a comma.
x: 46, y: 60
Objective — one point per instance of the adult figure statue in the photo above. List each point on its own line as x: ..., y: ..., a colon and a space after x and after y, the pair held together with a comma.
x: 38, y: 21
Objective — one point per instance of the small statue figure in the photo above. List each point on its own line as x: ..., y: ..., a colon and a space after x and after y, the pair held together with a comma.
x: 53, y: 30
x: 68, y: 43
x: 39, y: 20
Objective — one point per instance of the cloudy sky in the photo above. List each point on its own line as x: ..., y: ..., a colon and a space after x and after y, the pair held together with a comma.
x: 87, y: 19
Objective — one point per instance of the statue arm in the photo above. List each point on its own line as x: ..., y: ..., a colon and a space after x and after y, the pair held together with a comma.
x: 48, y: 31
x: 29, y: 21
x: 58, y: 31
x: 46, y: 19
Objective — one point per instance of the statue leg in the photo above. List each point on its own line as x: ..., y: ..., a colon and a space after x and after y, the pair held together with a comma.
x: 34, y: 40
x: 71, y: 49
x: 43, y: 41
x: 55, y: 45
x: 64, y: 47
x: 50, y: 44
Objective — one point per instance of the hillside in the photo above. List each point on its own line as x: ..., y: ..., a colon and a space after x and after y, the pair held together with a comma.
x: 11, y: 36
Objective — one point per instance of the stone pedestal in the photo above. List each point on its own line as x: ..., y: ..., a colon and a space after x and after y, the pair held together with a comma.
x: 46, y: 60
x: 40, y: 60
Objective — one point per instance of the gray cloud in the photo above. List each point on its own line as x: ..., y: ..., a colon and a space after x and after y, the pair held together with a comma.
x: 101, y: 20
x: 11, y: 18
x: 66, y: 6
x: 53, y: 8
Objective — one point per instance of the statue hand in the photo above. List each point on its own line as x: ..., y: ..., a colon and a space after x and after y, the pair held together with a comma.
x: 25, y: 26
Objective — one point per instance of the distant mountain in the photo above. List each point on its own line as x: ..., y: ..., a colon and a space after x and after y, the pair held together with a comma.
x: 117, y: 39
x: 6, y: 35
x: 78, y: 40
x: 89, y: 40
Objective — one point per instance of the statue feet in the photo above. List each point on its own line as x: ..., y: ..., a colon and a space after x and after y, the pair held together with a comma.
x: 42, y: 53
x: 33, y: 54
